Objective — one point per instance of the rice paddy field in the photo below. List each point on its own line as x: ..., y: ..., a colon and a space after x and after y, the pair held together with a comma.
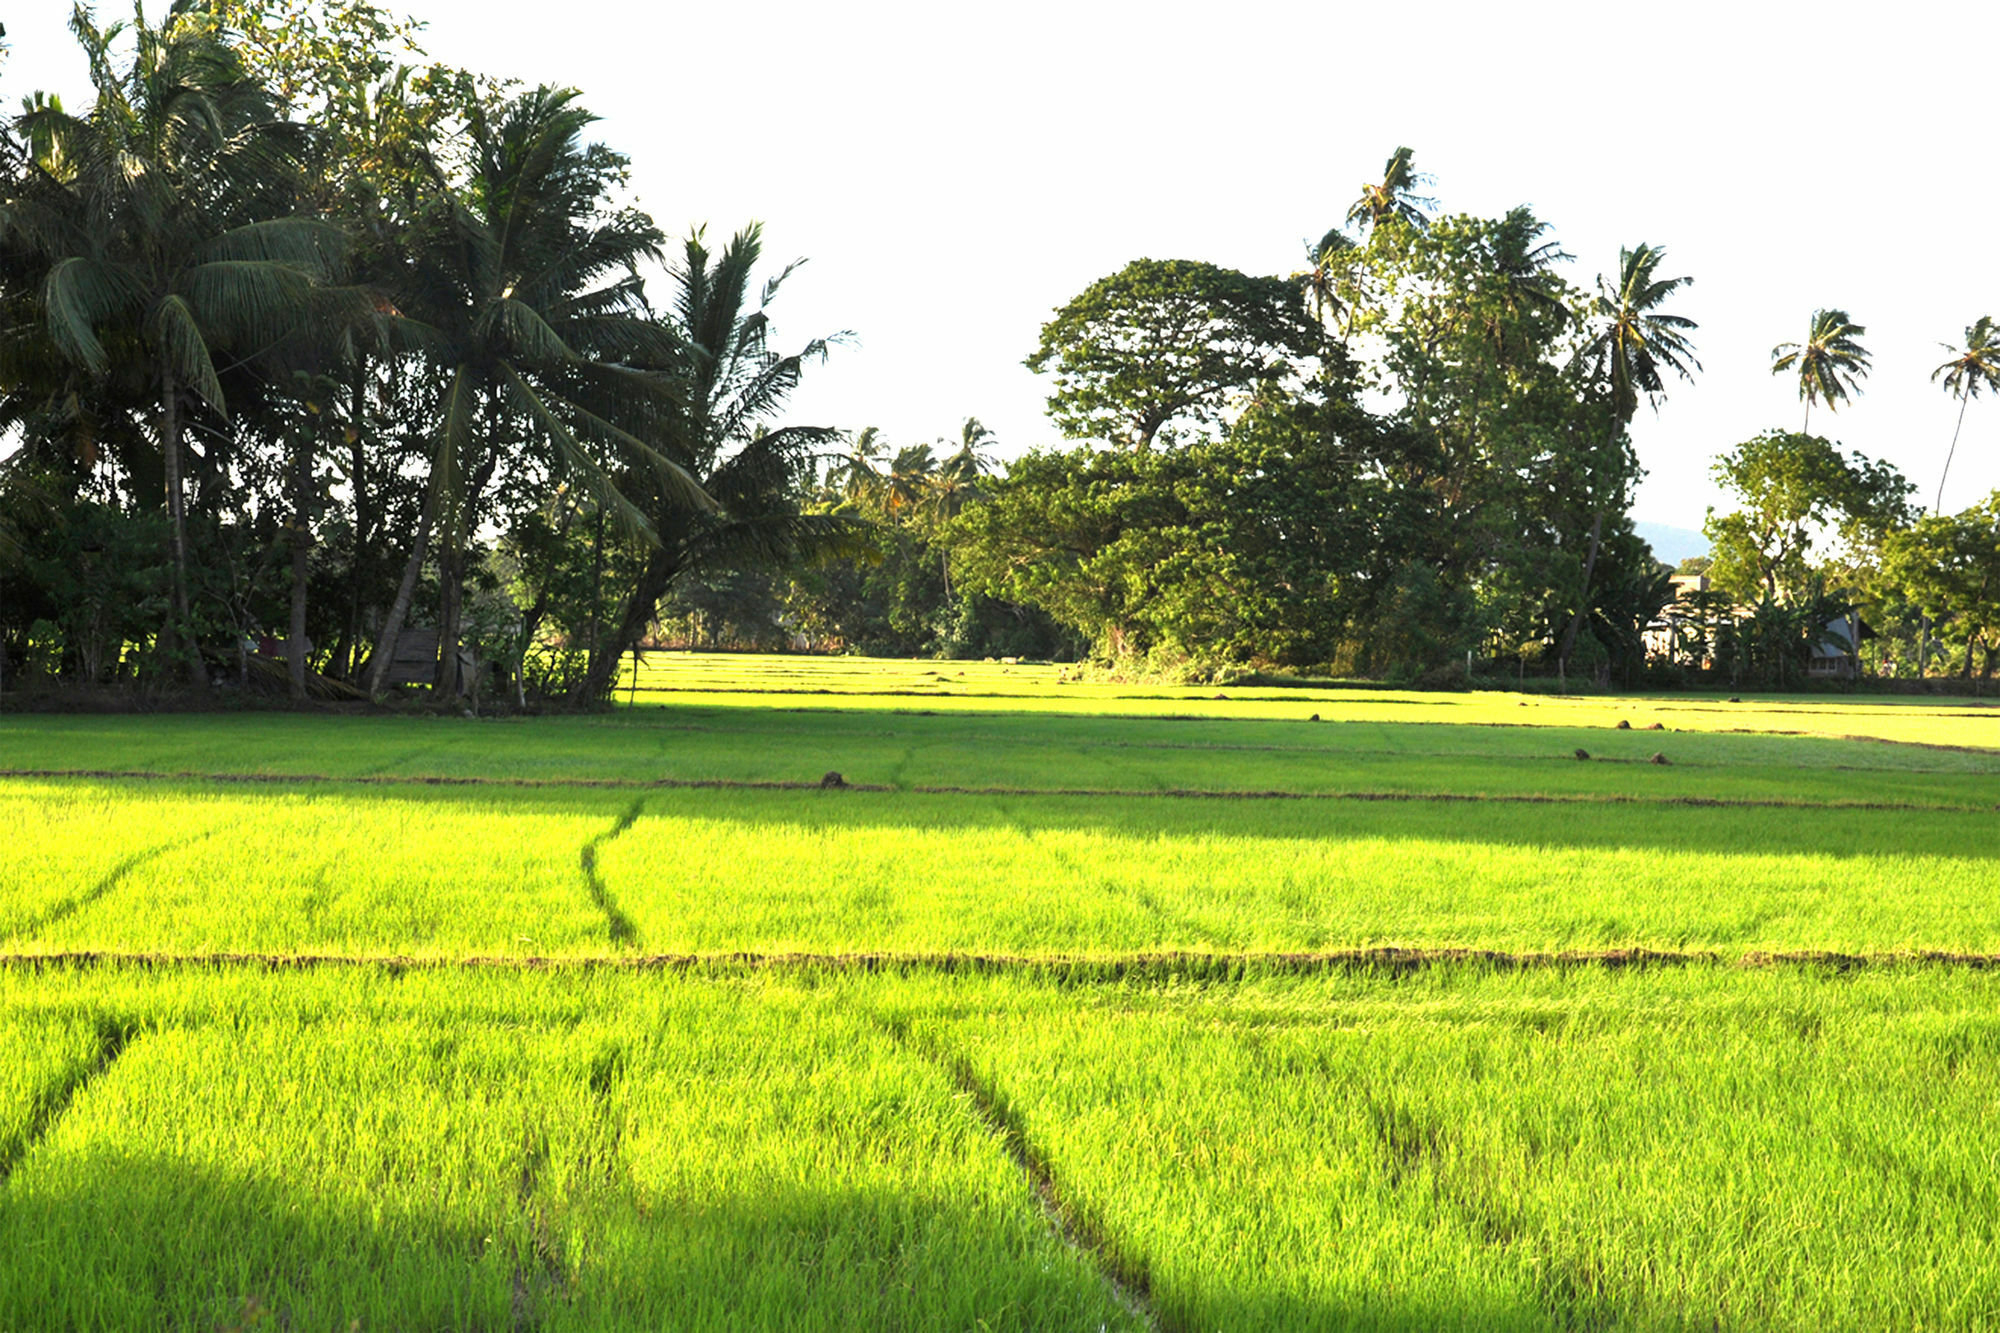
x: 829, y: 994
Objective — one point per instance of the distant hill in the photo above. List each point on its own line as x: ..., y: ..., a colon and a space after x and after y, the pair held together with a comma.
x: 1670, y: 543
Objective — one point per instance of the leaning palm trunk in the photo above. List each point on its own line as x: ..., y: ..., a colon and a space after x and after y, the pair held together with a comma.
x: 392, y: 624
x: 451, y: 597
x: 1963, y: 399
x: 451, y: 578
x: 295, y: 643
x: 658, y: 576
x: 182, y: 627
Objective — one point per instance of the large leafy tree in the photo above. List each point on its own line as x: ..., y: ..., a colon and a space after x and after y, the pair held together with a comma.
x: 164, y: 216
x: 1791, y: 490
x: 1830, y: 363
x: 1972, y: 368
x: 1504, y: 433
x: 1949, y: 566
x: 1163, y: 347
x: 1634, y: 346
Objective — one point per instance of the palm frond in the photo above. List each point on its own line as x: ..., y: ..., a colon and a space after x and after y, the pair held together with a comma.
x: 185, y: 347
x: 629, y: 518
x: 78, y: 296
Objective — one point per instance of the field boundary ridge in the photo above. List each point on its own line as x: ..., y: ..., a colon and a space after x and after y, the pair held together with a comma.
x: 390, y: 780
x: 1172, y: 963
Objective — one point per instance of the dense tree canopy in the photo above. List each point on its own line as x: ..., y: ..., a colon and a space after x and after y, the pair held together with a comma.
x: 1169, y: 345
x: 326, y: 367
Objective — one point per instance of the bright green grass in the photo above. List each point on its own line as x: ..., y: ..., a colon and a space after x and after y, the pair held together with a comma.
x: 322, y: 868
x: 1657, y: 1151
x: 202, y: 1146
x: 673, y: 1156
x: 1022, y: 751
x: 797, y: 682
x: 318, y: 869
x: 39, y: 1062
x: 66, y: 846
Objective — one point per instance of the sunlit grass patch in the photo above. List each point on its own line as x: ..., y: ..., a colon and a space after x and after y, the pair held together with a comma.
x: 1673, y: 1149
x: 317, y: 869
x: 41, y: 1061
x: 455, y: 872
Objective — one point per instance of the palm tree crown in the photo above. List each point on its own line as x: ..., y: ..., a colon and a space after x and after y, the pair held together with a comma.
x: 1319, y: 279
x: 1394, y: 196
x: 1830, y: 363
x: 1635, y: 343
x: 1972, y: 367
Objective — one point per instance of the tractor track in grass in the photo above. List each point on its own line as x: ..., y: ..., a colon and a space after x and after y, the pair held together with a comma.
x: 617, y: 925
x: 1078, y: 1227
x: 112, y: 1039
x: 928, y: 789
x: 56, y: 913
x: 1177, y: 965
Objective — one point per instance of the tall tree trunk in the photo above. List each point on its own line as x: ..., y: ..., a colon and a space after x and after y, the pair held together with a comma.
x: 182, y: 626
x: 450, y: 594
x: 1582, y: 606
x: 295, y: 640
x: 596, y: 594
x: 451, y: 576
x: 364, y: 512
x: 1963, y: 399
x: 392, y: 624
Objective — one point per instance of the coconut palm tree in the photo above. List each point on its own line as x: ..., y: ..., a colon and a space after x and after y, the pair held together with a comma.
x: 1830, y: 363
x: 1319, y: 280
x: 1972, y: 367
x: 1633, y: 347
x: 1394, y: 196
x: 909, y: 478
x: 720, y: 429
x: 855, y: 475
x: 955, y: 483
x: 164, y: 217
x: 524, y: 299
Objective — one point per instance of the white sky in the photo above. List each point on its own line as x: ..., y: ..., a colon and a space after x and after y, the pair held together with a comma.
x: 955, y: 172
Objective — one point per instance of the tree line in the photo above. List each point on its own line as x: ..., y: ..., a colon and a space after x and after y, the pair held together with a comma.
x: 1412, y: 457
x: 304, y: 333
x: 310, y: 342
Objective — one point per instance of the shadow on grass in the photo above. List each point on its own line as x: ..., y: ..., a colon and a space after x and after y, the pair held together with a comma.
x: 146, y: 1242
x: 1751, y: 831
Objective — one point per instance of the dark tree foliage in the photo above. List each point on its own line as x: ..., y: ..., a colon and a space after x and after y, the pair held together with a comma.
x: 1169, y: 345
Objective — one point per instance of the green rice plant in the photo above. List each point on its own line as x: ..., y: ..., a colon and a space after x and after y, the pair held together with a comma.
x: 319, y: 869
x: 707, y: 872
x: 1663, y: 1150
x: 483, y: 1151
x: 343, y: 1172
x: 1024, y: 751
x: 68, y: 845
x: 811, y: 683
x: 41, y: 1064
x: 459, y: 872
x: 786, y: 1163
